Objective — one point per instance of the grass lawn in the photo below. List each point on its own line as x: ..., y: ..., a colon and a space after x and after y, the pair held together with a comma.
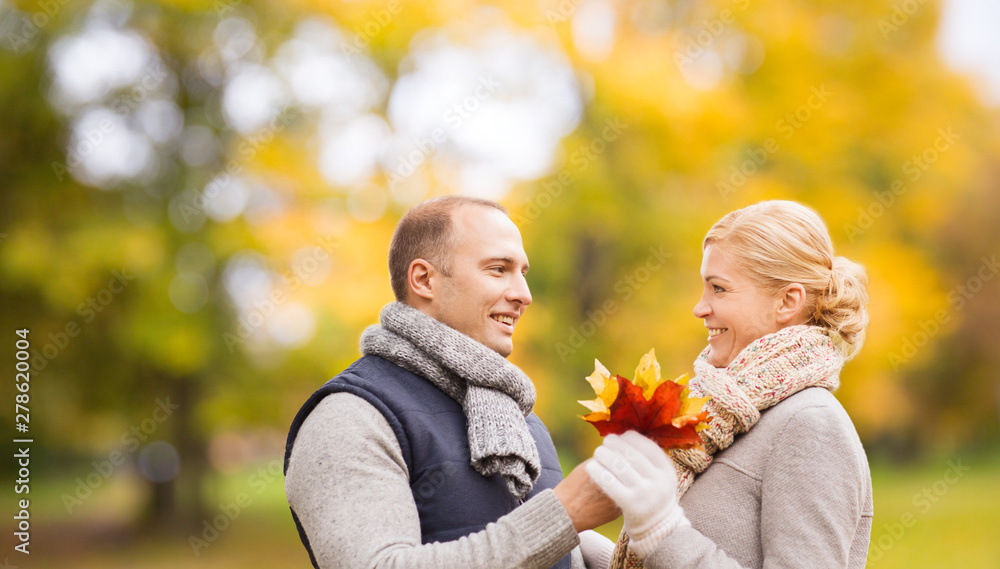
x: 944, y: 513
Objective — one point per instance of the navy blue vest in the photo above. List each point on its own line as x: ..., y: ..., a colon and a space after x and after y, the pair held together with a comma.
x: 453, y: 500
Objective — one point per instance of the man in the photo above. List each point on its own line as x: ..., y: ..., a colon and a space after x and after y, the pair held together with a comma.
x: 425, y: 452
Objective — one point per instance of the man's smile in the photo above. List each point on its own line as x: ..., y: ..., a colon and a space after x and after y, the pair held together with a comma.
x: 505, y: 319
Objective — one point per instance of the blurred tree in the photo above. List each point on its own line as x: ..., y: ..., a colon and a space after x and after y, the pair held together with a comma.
x: 198, y: 197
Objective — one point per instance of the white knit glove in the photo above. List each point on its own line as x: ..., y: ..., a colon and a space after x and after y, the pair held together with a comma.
x: 641, y: 479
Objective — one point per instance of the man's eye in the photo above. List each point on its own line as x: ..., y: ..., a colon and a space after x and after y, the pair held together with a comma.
x: 498, y: 270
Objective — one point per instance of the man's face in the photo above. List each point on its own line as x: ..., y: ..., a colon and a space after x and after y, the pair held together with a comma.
x: 486, y: 293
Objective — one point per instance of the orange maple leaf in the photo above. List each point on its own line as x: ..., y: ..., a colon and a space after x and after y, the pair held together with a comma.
x: 662, y: 410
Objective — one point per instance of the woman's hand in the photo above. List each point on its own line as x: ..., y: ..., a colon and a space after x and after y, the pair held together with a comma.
x: 641, y: 479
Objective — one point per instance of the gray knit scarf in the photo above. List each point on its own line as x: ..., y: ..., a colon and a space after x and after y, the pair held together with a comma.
x: 495, y: 395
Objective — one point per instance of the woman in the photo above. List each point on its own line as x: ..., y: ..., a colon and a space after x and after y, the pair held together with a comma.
x: 783, y: 480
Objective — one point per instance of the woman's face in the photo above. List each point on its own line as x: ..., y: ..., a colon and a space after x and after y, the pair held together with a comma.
x: 735, y: 311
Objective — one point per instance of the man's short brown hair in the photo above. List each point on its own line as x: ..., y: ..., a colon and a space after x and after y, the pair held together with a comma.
x: 426, y: 232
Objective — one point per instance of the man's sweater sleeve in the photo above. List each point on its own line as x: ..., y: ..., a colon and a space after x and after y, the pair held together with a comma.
x: 349, y: 487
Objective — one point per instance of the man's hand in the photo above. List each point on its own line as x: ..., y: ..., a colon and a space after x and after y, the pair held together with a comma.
x: 587, y: 505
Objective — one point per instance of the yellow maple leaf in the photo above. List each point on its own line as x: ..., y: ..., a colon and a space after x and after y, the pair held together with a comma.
x: 606, y: 389
x: 647, y: 374
x: 691, y: 407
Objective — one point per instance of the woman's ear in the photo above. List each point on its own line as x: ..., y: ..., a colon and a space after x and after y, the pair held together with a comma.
x: 419, y: 279
x: 792, y: 305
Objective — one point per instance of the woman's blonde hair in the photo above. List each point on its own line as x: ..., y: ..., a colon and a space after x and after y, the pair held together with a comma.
x: 777, y: 243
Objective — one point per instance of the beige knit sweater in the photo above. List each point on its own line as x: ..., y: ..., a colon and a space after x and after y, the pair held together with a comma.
x: 794, y: 491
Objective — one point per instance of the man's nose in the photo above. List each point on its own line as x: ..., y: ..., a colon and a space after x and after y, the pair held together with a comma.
x: 519, y: 291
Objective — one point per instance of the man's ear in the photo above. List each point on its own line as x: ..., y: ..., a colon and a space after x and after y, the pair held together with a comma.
x: 419, y: 278
x: 791, y: 305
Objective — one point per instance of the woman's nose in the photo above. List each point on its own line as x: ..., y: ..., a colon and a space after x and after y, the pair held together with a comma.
x: 702, y: 309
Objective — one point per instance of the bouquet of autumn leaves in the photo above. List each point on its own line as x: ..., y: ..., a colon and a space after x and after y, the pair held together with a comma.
x: 662, y: 410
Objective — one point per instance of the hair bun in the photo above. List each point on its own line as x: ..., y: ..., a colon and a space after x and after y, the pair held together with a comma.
x: 844, y: 306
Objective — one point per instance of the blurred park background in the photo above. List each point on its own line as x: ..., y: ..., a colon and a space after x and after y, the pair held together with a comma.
x: 197, y: 200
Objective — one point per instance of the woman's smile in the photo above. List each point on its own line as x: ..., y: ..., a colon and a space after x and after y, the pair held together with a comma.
x: 714, y: 332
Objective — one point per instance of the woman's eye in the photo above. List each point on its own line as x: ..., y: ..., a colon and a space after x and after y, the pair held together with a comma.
x: 718, y: 288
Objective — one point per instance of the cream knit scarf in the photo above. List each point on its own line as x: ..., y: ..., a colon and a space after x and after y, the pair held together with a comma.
x: 763, y: 374
x: 495, y: 395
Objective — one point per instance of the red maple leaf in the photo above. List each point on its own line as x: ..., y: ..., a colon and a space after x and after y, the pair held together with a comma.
x: 658, y: 417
